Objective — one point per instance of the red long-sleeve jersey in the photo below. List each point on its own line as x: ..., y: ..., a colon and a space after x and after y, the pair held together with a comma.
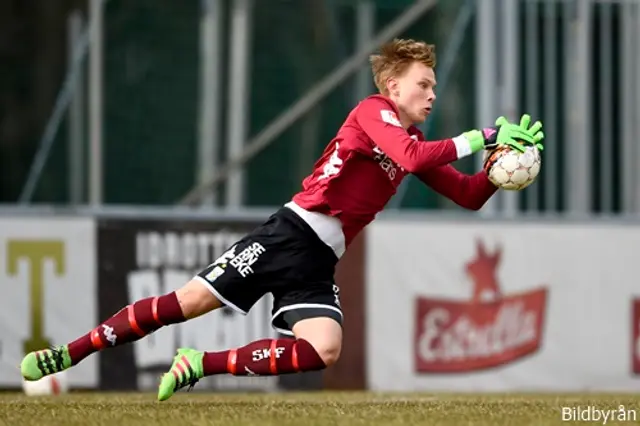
x: 361, y: 168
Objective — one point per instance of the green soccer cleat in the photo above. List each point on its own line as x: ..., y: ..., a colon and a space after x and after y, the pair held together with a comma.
x: 36, y: 365
x: 186, y: 370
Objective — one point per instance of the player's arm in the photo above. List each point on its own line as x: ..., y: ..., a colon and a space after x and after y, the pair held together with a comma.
x: 377, y: 119
x: 468, y: 191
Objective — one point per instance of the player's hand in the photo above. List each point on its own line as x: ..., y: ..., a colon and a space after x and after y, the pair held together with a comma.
x: 518, y: 136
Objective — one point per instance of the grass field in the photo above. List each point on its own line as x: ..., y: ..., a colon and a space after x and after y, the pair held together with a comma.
x: 306, y: 409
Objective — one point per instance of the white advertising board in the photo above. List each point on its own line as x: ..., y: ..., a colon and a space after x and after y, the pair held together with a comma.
x: 475, y: 306
x: 48, y: 288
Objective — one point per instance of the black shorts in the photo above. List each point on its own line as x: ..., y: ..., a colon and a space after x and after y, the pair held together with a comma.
x: 286, y: 258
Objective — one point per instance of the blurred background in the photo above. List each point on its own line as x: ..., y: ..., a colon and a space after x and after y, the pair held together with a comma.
x: 152, y: 103
x: 118, y: 117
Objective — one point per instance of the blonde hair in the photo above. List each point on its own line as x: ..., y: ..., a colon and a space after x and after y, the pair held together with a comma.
x: 396, y: 56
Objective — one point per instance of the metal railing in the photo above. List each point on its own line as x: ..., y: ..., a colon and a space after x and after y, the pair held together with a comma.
x: 572, y: 63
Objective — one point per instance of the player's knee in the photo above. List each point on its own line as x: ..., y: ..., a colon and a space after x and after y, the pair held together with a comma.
x: 329, y: 352
x: 324, y: 335
x: 195, y: 299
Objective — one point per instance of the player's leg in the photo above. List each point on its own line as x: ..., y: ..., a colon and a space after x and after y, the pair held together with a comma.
x: 324, y: 334
x: 265, y: 357
x: 208, y: 290
x: 310, y: 314
x: 297, y: 268
x: 314, y: 323
x: 236, y: 282
x: 316, y: 345
x: 131, y: 323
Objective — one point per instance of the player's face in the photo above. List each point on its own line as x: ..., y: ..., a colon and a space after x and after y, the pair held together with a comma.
x: 413, y: 92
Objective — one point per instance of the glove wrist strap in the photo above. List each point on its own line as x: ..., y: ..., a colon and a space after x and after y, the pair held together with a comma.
x: 469, y: 143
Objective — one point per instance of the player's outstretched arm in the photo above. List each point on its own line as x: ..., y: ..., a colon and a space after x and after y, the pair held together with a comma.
x: 470, y: 192
x: 377, y: 118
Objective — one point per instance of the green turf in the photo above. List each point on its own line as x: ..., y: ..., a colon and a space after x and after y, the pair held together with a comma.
x: 302, y: 409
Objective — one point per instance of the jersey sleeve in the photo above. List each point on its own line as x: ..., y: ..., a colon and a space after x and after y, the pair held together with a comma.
x: 468, y: 191
x: 379, y: 121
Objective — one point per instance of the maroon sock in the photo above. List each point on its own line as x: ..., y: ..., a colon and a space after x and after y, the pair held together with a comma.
x: 129, y: 324
x: 266, y: 357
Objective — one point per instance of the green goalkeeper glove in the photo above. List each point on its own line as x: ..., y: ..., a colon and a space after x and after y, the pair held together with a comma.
x: 526, y: 135
x: 507, y: 134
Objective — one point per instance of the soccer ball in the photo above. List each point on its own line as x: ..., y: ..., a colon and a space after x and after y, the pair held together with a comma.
x: 53, y: 384
x: 510, y: 169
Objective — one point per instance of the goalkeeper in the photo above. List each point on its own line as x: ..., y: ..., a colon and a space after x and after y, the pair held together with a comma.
x: 294, y: 253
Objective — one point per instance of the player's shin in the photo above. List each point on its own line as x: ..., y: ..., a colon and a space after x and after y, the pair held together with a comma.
x: 267, y: 357
x: 129, y: 324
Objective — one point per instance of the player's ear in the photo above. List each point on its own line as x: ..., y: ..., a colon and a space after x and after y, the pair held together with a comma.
x: 393, y: 87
